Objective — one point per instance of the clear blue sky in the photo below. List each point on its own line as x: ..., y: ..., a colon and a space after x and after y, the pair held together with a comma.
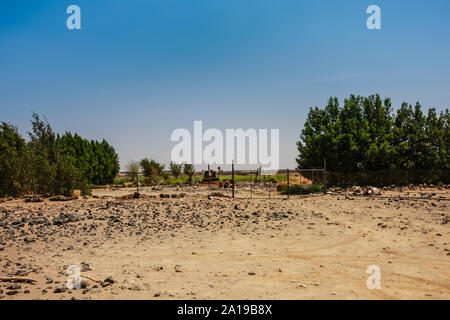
x: 139, y: 69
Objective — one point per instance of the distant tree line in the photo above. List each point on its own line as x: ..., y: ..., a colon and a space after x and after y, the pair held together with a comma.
x: 50, y: 163
x: 154, y: 173
x: 153, y: 170
x: 366, y: 135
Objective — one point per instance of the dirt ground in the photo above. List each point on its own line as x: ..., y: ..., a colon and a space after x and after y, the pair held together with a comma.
x: 201, y: 245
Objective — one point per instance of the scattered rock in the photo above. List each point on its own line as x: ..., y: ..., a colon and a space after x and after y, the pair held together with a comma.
x: 178, y: 268
x: 61, y: 198
x: 14, y: 286
x: 12, y: 292
x: 109, y: 280
x: 60, y: 290
x: 48, y: 279
x: 85, y: 267
x: 135, y: 287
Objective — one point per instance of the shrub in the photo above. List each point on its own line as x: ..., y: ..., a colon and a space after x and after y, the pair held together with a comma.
x: 302, y: 189
x: 189, y: 170
x: 151, y: 168
x: 176, y: 168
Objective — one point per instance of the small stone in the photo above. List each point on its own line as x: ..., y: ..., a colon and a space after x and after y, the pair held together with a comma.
x: 157, y: 294
x: 59, y: 290
x: 110, y: 280
x: 135, y: 288
x: 251, y: 273
x: 48, y: 279
x: 178, y: 268
x: 85, y: 267
x: 14, y: 286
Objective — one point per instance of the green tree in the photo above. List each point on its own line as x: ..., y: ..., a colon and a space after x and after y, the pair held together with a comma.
x: 105, y: 162
x: 176, y: 168
x: 364, y: 134
x: 45, y: 155
x: 15, y: 162
x: 151, y: 168
x: 444, y: 150
x: 53, y: 164
x: 80, y: 152
x: 189, y: 170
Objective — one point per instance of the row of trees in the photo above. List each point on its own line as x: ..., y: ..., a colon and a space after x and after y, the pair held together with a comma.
x: 365, y: 134
x: 153, y: 169
x: 187, y: 168
x: 50, y: 163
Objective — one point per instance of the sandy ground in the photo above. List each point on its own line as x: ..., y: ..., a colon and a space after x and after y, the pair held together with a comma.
x: 200, y: 247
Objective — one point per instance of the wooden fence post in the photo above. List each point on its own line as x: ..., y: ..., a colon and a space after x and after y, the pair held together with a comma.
x: 288, y: 183
x: 251, y: 185
x: 232, y: 178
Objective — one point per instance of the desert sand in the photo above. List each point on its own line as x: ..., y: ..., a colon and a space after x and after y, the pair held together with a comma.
x: 202, y: 244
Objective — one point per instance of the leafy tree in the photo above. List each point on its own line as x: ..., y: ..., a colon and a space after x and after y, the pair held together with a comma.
x: 151, y: 168
x: 15, y: 162
x: 176, y: 168
x: 53, y: 164
x: 444, y: 149
x: 44, y: 147
x: 68, y: 176
x: 189, y: 170
x: 80, y: 152
x: 365, y: 134
x: 105, y: 163
x: 133, y: 168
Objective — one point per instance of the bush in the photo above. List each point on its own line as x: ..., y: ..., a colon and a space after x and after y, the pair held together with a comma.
x: 302, y: 189
x: 151, y: 169
x: 383, y: 178
x: 189, y: 170
x: 176, y: 168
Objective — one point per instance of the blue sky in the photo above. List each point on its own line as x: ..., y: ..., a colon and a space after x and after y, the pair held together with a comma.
x: 139, y: 69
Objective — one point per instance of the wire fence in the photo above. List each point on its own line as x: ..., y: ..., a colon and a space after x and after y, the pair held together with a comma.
x: 284, y: 183
x: 259, y: 184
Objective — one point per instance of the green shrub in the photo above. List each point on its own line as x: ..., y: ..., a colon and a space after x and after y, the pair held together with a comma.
x: 302, y: 189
